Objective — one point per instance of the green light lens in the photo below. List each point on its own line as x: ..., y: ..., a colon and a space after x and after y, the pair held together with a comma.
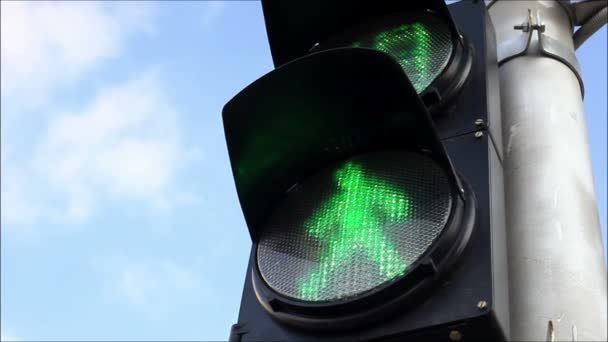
x: 351, y: 219
x: 423, y: 48
x: 354, y: 227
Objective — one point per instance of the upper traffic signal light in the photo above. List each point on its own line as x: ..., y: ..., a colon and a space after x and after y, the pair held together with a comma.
x: 420, y: 35
x: 368, y: 219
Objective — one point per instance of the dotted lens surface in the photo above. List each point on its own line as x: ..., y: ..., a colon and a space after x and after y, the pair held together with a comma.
x: 423, y: 48
x: 354, y: 226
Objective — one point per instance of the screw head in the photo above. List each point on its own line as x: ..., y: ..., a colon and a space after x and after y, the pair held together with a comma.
x: 479, y: 122
x: 478, y: 134
x: 482, y: 304
x: 455, y: 335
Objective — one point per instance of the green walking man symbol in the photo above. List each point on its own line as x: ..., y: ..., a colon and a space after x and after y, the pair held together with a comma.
x: 352, y: 220
x: 411, y: 45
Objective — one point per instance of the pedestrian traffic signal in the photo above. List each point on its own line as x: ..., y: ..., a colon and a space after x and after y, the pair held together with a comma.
x: 364, y: 233
x: 421, y: 36
x: 374, y: 210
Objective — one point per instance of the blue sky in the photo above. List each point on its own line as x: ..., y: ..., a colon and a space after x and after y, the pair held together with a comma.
x: 120, y: 219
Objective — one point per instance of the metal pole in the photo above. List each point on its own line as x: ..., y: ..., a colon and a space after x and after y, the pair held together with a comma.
x: 557, y: 274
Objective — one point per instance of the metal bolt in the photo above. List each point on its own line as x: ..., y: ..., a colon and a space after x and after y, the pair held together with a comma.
x: 542, y: 27
x: 482, y: 304
x: 524, y: 27
x: 455, y: 335
x: 478, y: 134
x: 479, y: 122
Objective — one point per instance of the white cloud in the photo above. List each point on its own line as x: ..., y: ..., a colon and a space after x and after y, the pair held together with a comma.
x: 126, y: 139
x: 49, y: 44
x: 152, y: 287
x: 17, y: 204
x: 141, y: 283
x: 124, y: 144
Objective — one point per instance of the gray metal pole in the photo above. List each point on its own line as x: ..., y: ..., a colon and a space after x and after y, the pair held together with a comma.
x: 557, y: 275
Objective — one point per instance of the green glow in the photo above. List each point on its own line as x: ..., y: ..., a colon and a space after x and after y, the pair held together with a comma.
x: 414, y: 54
x: 411, y: 45
x: 353, y: 219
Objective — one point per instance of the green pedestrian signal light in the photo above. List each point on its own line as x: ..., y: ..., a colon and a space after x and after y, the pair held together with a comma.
x: 351, y: 220
x: 430, y: 53
x: 373, y: 204
x: 422, y: 48
x: 354, y: 227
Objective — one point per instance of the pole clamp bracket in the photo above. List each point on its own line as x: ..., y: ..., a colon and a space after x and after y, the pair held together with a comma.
x: 548, y: 47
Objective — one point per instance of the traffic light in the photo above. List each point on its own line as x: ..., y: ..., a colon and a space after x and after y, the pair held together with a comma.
x: 367, y: 165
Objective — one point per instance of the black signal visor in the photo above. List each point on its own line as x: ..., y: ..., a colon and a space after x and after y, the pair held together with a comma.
x: 318, y: 109
x: 294, y: 27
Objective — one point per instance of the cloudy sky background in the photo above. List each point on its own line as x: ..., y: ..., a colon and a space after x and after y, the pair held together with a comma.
x: 119, y: 216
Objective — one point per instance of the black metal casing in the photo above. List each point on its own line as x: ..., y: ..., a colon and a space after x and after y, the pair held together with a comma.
x: 471, y: 300
x: 294, y: 28
x: 315, y: 110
